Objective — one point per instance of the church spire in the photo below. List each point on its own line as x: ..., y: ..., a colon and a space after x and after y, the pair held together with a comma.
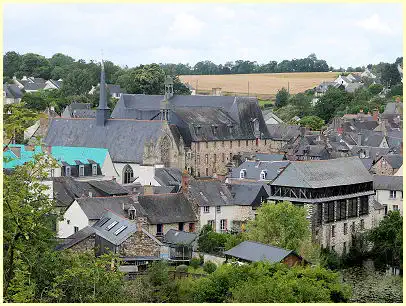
x: 103, y: 111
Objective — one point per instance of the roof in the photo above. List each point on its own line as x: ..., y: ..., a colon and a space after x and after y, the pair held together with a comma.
x: 255, y: 251
x: 175, y: 237
x: 368, y: 162
x: 33, y: 86
x: 386, y: 182
x: 253, y: 169
x: 95, y: 207
x: 210, y: 192
x: 76, y: 238
x: 283, y: 131
x: 124, y: 139
x: 269, y: 157
x: 12, y: 91
x: 112, y: 234
x: 18, y: 155
x: 270, y: 115
x: 113, y: 88
x: 167, y: 208
x: 394, y: 160
x: 393, y: 108
x: 168, y: 176
x: 66, y: 189
x: 326, y: 173
x: 245, y: 194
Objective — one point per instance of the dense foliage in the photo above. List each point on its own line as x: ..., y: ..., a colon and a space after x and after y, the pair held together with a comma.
x: 312, y: 122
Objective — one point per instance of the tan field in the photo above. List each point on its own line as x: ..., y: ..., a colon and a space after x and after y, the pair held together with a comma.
x: 259, y: 84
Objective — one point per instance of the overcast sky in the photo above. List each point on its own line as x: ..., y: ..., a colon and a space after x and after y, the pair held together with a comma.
x: 132, y: 34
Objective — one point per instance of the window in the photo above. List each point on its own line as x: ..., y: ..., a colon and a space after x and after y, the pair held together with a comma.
x: 239, y: 143
x: 223, y: 157
x: 81, y: 170
x: 207, y: 158
x: 198, y: 159
x: 214, y: 144
x: 214, y: 157
x: 319, y: 213
x: 362, y: 224
x: 207, y: 145
x: 345, y: 228
x: 363, y: 207
x: 131, y: 214
x: 395, y: 207
x: 206, y: 209
x: 352, y: 207
x: 345, y: 247
x: 94, y: 169
x: 386, y: 209
x: 113, y: 224
x: 223, y: 225
x: 211, y: 223
x: 263, y: 174
x: 52, y: 172
x: 67, y: 171
x: 191, y: 227
x: 104, y: 221
x: 246, y: 143
x: 198, y: 146
x: 231, y: 157
x: 257, y: 142
x: 243, y: 173
x: 159, y: 229
x: 353, y: 227
x: 75, y: 229
x: 181, y: 225
x: 392, y: 194
x: 333, y: 231
x: 222, y: 143
x: 122, y: 228
x: 207, y: 171
x: 329, y: 212
x: 68, y: 221
x: 128, y: 174
x: 218, y: 209
x: 231, y: 144
x: 341, y: 210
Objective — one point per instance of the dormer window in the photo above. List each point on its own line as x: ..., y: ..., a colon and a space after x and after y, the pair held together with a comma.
x: 67, y: 171
x: 263, y: 174
x: 256, y: 124
x: 214, y: 129
x: 131, y: 214
x: 94, y: 169
x: 243, y: 173
x: 81, y: 170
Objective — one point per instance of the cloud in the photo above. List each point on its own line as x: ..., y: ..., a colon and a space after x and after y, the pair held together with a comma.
x: 185, y: 25
x: 224, y: 12
x: 375, y: 24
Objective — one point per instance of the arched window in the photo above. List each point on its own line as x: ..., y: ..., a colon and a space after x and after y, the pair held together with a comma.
x: 165, y: 147
x: 128, y: 174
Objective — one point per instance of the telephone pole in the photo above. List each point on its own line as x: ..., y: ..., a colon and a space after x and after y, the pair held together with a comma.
x: 248, y: 88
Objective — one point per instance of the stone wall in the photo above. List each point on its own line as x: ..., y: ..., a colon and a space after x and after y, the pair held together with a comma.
x: 139, y: 244
x: 382, y: 167
x: 206, y: 158
x: 85, y: 245
x: 167, y: 226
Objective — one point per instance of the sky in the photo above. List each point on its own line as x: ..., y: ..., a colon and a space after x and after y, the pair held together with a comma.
x: 348, y: 34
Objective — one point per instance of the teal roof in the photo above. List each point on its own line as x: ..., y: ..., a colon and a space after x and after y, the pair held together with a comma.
x: 61, y: 154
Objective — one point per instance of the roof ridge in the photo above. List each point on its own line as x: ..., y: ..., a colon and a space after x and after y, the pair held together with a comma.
x: 268, y: 245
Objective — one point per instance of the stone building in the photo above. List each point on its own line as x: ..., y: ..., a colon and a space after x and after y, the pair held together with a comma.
x: 387, y: 164
x: 338, y: 195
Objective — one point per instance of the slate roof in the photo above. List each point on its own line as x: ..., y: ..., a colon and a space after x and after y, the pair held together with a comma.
x: 254, y: 168
x: 394, y: 160
x: 322, y: 87
x: 124, y: 139
x: 388, y: 182
x: 109, y: 187
x: 270, y: 115
x: 269, y: 157
x: 368, y: 162
x: 392, y: 108
x: 245, y: 194
x: 84, y: 113
x: 319, y: 174
x: 283, y: 131
x: 372, y: 152
x: 168, y: 176
x: 254, y: 251
x: 33, y: 86
x: 114, y: 88
x: 95, y: 207
x: 174, y: 237
x: 210, y: 192
x: 167, y: 208
x: 76, y: 238
x: 12, y: 91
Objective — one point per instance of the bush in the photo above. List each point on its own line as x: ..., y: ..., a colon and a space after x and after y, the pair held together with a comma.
x: 195, y: 263
x: 375, y: 89
x: 181, y: 268
x: 209, y: 267
x: 282, y: 97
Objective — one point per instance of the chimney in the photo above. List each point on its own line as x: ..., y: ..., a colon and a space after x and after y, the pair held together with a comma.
x: 103, y: 111
x: 148, y: 189
x: 140, y: 222
x: 302, y: 131
x: 359, y: 140
x: 375, y: 115
x: 185, y: 180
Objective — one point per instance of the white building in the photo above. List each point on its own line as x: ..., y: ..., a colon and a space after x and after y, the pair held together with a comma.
x: 389, y: 192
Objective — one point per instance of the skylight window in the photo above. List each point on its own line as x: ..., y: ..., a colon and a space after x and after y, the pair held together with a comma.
x: 112, y: 225
x: 120, y: 230
x: 104, y: 221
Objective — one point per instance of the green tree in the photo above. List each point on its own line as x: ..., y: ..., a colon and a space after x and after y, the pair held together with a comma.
x: 283, y: 225
x: 35, y: 101
x: 16, y: 119
x: 313, y: 122
x: 210, y: 241
x: 390, y: 75
x: 302, y: 104
x: 35, y: 65
x: 375, y: 89
x: 334, y: 100
x: 387, y: 241
x: 11, y: 63
x: 77, y: 82
x: 396, y: 90
x: 282, y: 97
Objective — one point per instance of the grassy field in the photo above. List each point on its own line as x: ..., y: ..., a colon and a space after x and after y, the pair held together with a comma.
x: 263, y: 85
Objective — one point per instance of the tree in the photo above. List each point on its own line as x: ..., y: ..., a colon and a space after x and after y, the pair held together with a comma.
x: 210, y: 241
x: 35, y: 65
x: 313, y: 122
x: 387, y: 241
x: 333, y: 100
x: 283, y: 225
x: 17, y: 118
x: 282, y: 97
x: 77, y: 82
x: 35, y: 101
x: 302, y: 104
x: 375, y: 89
x: 396, y: 90
x: 12, y: 63
x: 390, y: 75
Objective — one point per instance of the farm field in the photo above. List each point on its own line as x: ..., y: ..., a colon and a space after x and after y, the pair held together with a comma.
x: 262, y: 84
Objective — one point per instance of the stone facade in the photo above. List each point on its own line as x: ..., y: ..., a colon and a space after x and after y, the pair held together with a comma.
x: 382, y: 167
x: 85, y: 245
x: 139, y: 244
x: 152, y: 228
x: 206, y: 158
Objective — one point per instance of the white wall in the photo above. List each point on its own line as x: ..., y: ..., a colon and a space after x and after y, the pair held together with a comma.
x: 230, y: 213
x: 108, y: 169
x: 76, y: 217
x: 145, y: 174
x: 382, y: 196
